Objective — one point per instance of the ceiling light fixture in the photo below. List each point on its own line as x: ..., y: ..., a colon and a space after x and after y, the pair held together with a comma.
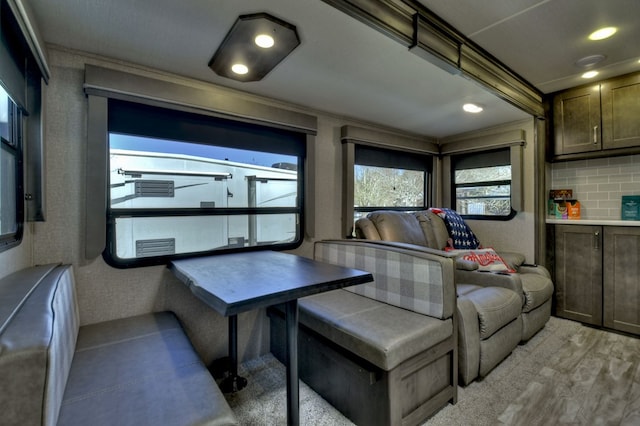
x: 239, y: 69
x: 590, y: 61
x: 602, y: 33
x: 472, y: 108
x: 589, y: 74
x: 264, y: 40
x: 259, y: 42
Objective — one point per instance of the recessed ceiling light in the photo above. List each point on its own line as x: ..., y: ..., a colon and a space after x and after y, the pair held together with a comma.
x: 589, y: 74
x: 239, y: 69
x: 472, y: 108
x: 264, y: 40
x: 603, y: 33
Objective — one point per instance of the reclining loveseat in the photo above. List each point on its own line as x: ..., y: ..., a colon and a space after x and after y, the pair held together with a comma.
x: 496, y: 309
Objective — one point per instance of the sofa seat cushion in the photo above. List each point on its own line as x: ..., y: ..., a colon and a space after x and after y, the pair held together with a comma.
x: 140, y: 370
x: 382, y: 334
x: 537, y: 290
x: 496, y: 307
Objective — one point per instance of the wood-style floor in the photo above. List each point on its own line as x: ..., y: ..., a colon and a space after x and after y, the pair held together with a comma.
x: 567, y: 374
x: 594, y: 379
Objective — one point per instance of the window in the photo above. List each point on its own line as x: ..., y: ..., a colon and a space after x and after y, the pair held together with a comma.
x: 389, y: 180
x: 182, y: 183
x: 482, y: 184
x: 11, y: 211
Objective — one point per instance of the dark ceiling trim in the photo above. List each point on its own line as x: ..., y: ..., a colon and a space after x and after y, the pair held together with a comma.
x: 427, y: 35
x: 115, y: 84
x: 376, y: 138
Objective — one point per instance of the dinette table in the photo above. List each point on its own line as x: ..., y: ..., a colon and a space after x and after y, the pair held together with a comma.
x: 237, y: 282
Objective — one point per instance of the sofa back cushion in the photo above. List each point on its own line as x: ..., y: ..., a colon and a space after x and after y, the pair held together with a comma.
x: 398, y: 226
x: 434, y: 229
x: 365, y: 229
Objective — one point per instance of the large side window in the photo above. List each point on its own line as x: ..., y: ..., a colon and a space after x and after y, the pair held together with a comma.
x: 390, y: 180
x: 183, y: 183
x: 11, y: 206
x: 482, y: 184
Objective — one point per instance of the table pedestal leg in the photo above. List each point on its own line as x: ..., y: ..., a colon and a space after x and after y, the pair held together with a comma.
x: 233, y: 382
x: 293, y: 391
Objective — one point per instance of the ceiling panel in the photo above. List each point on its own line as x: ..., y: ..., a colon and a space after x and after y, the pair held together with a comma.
x: 543, y: 40
x: 342, y: 66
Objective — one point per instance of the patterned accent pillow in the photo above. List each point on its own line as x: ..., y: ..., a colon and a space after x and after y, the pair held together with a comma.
x: 487, y: 259
x: 462, y: 237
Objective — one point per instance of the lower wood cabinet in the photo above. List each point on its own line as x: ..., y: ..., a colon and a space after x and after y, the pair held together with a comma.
x: 621, y: 278
x: 597, y: 275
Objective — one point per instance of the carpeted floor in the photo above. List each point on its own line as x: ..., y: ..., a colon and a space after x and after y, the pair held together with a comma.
x: 566, y: 374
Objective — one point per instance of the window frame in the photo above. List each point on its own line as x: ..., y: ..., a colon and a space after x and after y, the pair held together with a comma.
x: 398, y: 160
x: 13, y: 147
x: 187, y: 122
x: 478, y: 160
x: 353, y: 136
x: 103, y: 84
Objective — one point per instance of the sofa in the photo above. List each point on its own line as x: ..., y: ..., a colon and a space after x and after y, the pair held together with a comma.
x: 489, y: 342
x: 385, y: 352
x: 140, y: 370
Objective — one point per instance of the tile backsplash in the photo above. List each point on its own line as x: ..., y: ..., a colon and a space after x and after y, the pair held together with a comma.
x: 599, y: 184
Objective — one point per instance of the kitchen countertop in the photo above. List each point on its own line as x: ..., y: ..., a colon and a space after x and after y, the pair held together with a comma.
x: 603, y: 222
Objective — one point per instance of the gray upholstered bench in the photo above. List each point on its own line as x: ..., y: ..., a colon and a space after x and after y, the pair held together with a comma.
x: 141, y: 370
x: 384, y: 352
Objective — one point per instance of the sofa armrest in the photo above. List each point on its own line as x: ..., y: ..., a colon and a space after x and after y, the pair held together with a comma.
x: 466, y: 265
x: 534, y: 269
x: 491, y: 279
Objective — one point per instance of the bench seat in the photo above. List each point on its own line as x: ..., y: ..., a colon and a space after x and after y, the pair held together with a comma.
x: 362, y: 326
x: 140, y: 370
x: 382, y: 353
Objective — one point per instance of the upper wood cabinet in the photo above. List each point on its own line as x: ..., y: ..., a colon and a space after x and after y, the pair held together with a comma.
x: 576, y: 117
x: 621, y: 112
x: 598, y: 120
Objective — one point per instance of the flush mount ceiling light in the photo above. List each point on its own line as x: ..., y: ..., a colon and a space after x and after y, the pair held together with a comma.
x: 254, y: 45
x: 602, y: 33
x: 590, y: 61
x: 472, y: 108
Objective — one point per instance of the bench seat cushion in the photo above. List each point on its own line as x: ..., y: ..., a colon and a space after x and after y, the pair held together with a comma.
x: 140, y: 370
x: 382, y: 334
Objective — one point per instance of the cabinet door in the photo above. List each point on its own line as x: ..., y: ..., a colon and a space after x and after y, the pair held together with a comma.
x: 576, y: 115
x: 621, y: 112
x: 578, y: 273
x: 622, y: 278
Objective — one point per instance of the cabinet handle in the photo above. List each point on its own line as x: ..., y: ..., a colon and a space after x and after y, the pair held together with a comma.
x: 595, y: 134
x: 596, y: 240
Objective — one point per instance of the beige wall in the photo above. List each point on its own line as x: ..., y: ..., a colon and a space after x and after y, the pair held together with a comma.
x: 518, y: 233
x: 107, y: 293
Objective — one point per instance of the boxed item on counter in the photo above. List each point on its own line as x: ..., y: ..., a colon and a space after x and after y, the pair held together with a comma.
x: 630, y: 207
x: 561, y: 204
x: 566, y: 209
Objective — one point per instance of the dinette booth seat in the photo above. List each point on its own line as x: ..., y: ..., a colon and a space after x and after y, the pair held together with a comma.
x: 383, y: 352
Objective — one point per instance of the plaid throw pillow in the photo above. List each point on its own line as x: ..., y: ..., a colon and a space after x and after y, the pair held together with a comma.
x: 462, y: 237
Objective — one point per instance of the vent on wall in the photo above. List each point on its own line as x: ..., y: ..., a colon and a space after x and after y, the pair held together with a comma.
x: 154, y: 188
x: 157, y: 247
